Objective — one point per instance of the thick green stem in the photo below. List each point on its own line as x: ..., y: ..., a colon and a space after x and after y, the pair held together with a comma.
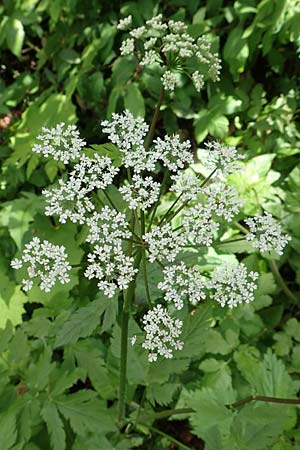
x: 154, y: 120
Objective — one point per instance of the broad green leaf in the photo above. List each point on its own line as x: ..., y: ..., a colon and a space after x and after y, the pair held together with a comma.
x: 109, y: 150
x: 37, y: 376
x: 134, y: 101
x: 195, y: 330
x: 55, y: 426
x: 15, y: 35
x: 86, y: 413
x: 162, y: 394
x: 81, y: 323
x: 209, y: 412
x: 236, y: 51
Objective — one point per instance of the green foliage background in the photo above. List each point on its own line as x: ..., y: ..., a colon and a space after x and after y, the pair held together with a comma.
x: 59, y: 352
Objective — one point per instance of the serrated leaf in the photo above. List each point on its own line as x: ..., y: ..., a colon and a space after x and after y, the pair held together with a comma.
x: 14, y: 309
x: 162, y: 394
x: 81, y: 324
x: 86, y: 413
x: 64, y: 380
x: 209, y: 412
x: 54, y: 426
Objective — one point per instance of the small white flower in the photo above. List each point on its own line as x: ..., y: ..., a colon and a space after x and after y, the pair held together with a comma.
x: 124, y: 23
x: 133, y: 340
x: 142, y: 192
x: 182, y: 283
x: 62, y: 142
x: 150, y: 43
x: 16, y: 264
x: 232, y: 284
x: 162, y: 333
x: 156, y: 23
x: 206, y: 56
x: 127, y: 47
x: 46, y: 262
x: 265, y: 234
x: 177, y: 26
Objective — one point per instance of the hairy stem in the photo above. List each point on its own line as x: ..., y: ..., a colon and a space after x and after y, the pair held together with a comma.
x: 154, y: 120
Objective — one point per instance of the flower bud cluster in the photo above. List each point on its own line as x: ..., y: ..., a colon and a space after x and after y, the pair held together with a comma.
x: 169, y: 45
x: 162, y: 333
x: 45, y: 262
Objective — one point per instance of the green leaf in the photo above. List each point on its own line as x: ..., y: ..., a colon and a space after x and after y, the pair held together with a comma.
x: 86, y: 413
x: 90, y: 358
x: 15, y: 35
x: 209, y: 412
x: 236, y: 51
x: 13, y: 310
x: 109, y: 150
x: 219, y: 127
x: 38, y: 373
x: 54, y: 425
x: 82, y: 323
x: 8, y: 434
x: 195, y: 330
x: 134, y: 101
x: 162, y: 394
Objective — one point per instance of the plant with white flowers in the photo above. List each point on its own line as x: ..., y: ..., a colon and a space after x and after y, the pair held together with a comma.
x: 160, y: 220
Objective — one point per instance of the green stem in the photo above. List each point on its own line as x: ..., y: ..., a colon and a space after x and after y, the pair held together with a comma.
x: 128, y: 299
x: 170, y: 209
x: 110, y: 200
x: 280, y: 281
x: 144, y: 261
x: 262, y: 398
x: 170, y: 438
x: 162, y: 187
x: 154, y: 120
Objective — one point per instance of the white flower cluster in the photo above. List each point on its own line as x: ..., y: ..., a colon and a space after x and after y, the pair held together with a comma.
x: 142, y: 192
x: 172, y: 40
x: 172, y: 152
x: 182, y: 283
x: 111, y: 267
x: 61, y: 142
x: 223, y: 159
x: 164, y: 243
x: 266, y: 235
x: 232, y: 284
x: 222, y: 200
x: 107, y: 227
x: 162, y: 333
x: 199, y: 226
x: 70, y: 199
x: 46, y: 262
x: 187, y: 185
